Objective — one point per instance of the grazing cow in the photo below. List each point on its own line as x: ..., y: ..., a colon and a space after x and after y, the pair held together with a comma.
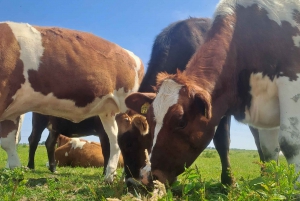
x: 172, y: 50
x: 76, y: 152
x: 133, y: 139
x: 65, y: 73
x: 248, y: 67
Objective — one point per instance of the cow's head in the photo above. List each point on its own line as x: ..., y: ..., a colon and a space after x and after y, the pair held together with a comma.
x: 133, y: 139
x: 178, y: 118
x: 62, y: 140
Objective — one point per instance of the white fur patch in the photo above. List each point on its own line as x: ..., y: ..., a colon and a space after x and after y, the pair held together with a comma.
x: 269, y: 144
x: 278, y: 10
x: 136, y: 69
x: 18, y: 134
x: 66, y: 154
x: 289, y: 135
x: 26, y: 99
x: 31, y: 48
x: 9, y: 145
x: 76, y: 143
x: 264, y: 109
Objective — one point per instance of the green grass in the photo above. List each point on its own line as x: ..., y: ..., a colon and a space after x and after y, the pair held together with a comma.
x: 200, y: 182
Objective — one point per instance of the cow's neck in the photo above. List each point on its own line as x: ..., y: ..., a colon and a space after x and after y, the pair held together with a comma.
x: 209, y: 66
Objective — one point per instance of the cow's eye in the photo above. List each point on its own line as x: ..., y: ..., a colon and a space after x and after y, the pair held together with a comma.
x: 182, y: 123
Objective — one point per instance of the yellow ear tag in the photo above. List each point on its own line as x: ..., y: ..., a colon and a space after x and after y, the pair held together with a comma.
x: 144, y: 108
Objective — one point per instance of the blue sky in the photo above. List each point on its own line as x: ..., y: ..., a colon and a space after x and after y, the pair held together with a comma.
x: 131, y: 24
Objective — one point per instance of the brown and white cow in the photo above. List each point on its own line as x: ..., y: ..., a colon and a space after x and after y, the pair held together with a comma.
x: 172, y: 49
x: 249, y: 67
x: 63, y: 73
x: 76, y: 152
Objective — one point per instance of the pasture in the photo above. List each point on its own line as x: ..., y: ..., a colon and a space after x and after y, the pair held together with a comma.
x: 201, y: 182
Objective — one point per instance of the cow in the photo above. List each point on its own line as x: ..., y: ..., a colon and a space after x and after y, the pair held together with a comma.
x: 133, y: 139
x: 248, y: 67
x: 172, y: 49
x: 76, y: 152
x: 65, y: 73
x: 57, y: 126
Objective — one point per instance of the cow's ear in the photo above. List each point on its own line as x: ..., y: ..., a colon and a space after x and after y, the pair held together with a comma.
x: 202, y: 102
x: 139, y: 102
x: 141, y: 123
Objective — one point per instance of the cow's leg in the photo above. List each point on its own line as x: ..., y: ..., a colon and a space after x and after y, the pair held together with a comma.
x: 8, y: 133
x: 39, y: 123
x: 255, y: 134
x: 269, y: 144
x: 104, y: 142
x: 111, y: 128
x: 289, y: 133
x: 50, y: 145
x: 222, y: 143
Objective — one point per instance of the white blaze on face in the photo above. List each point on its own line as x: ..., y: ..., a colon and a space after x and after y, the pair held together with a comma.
x: 167, y: 96
x: 278, y: 10
x: 76, y: 143
x: 66, y: 154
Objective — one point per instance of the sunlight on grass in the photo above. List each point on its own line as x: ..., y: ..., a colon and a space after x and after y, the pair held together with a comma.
x: 199, y: 182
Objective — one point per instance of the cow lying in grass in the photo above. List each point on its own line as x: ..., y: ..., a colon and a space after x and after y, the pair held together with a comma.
x: 76, y: 152
x: 57, y: 126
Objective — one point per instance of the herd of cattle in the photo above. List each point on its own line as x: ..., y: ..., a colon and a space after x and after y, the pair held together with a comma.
x: 244, y: 62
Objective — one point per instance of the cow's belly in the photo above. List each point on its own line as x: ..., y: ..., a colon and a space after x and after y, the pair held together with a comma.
x: 26, y: 99
x: 264, y: 111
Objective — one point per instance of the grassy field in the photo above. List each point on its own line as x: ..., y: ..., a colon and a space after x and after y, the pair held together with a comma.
x: 200, y: 182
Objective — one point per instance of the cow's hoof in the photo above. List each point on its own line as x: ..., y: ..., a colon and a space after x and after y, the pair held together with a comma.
x: 52, y: 169
x: 109, y: 179
x: 30, y: 167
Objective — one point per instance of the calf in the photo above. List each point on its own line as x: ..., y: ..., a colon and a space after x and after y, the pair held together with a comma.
x: 76, y: 152
x: 65, y: 73
x: 248, y: 67
x: 172, y: 49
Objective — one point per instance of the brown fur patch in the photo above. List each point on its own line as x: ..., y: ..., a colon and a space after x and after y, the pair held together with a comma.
x: 89, y: 156
x: 80, y: 66
x: 8, y: 126
x: 62, y: 140
x: 11, y: 76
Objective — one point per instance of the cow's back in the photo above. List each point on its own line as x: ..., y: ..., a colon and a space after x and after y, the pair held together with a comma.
x: 173, y: 48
